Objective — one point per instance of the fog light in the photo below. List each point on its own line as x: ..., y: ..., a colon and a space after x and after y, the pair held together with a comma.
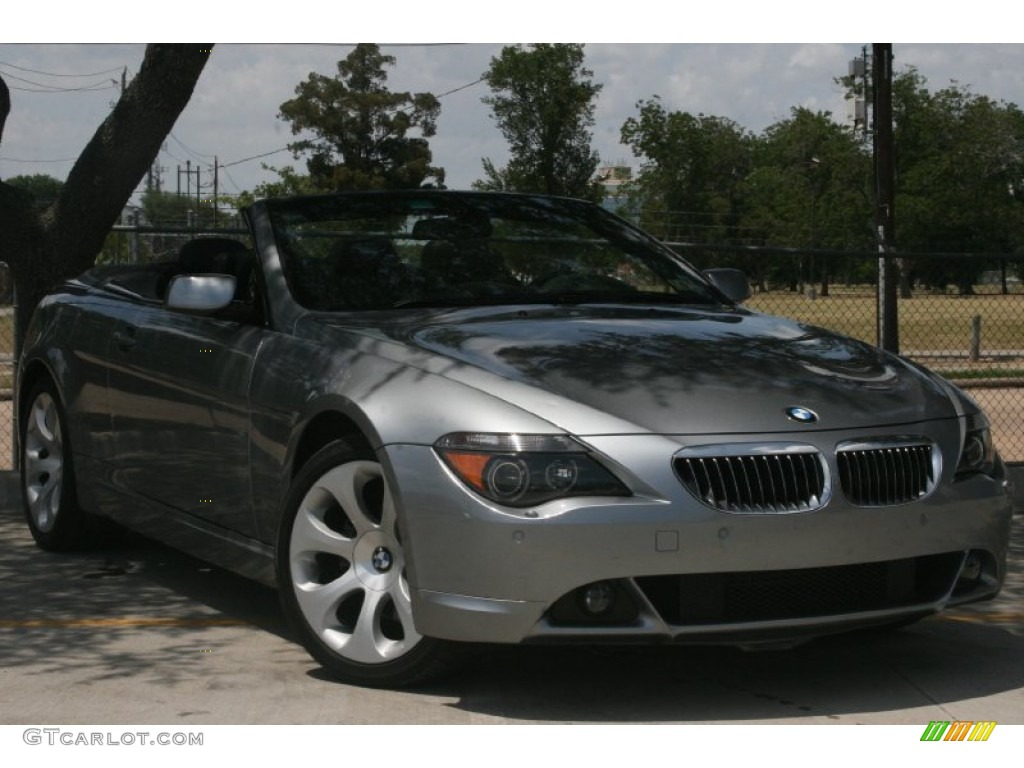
x: 598, y: 598
x: 971, y: 569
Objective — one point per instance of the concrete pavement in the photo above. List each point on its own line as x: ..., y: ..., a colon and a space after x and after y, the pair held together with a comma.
x: 137, y: 633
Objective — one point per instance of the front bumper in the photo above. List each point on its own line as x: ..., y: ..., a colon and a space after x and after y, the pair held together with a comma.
x: 483, y: 573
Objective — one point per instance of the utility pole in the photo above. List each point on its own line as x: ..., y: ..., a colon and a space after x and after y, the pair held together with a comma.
x: 188, y: 180
x: 885, y: 197
x: 215, y: 190
x: 192, y: 214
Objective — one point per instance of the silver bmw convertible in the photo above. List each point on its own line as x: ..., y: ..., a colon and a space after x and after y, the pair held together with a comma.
x: 436, y: 418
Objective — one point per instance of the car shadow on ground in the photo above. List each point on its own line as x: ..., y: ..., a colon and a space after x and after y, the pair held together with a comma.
x: 936, y: 664
x: 76, y: 612
x: 961, y: 656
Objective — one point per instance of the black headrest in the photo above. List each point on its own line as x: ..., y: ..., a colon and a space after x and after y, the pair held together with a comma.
x: 197, y: 256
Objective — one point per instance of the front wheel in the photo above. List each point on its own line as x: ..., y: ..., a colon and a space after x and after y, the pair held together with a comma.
x: 342, y: 575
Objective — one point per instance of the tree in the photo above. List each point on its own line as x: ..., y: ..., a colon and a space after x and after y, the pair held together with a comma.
x: 809, y: 188
x: 46, y: 245
x: 959, y: 163
x: 170, y: 209
x: 543, y: 104
x: 289, y: 183
x: 45, y: 189
x: 960, y: 167
x: 692, y: 171
x: 362, y: 132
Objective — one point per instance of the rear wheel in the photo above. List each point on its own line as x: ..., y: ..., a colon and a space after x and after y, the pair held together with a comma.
x: 47, y: 473
x: 342, y: 578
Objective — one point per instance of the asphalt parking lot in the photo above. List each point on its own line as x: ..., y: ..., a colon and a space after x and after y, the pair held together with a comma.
x: 137, y: 633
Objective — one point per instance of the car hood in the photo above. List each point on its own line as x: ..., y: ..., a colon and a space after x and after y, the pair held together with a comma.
x: 676, y: 371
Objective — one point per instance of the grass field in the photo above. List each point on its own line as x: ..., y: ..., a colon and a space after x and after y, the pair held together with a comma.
x: 6, y: 332
x: 926, y: 322
x: 932, y: 323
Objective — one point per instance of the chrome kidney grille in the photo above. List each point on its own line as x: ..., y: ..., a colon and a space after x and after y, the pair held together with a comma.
x: 779, y: 478
x: 880, y: 475
x: 760, y: 480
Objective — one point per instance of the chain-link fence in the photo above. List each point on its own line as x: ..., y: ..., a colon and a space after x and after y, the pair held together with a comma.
x: 6, y: 366
x: 962, y: 317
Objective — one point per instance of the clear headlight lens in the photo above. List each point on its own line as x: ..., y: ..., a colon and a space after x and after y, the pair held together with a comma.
x: 524, y: 470
x: 977, y: 453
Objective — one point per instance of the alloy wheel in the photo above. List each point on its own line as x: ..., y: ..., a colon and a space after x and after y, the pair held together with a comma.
x: 347, y: 566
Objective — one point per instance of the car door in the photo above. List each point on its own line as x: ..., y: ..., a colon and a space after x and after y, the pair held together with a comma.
x: 179, y: 398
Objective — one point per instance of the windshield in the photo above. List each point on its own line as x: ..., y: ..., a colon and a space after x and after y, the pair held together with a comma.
x: 362, y: 251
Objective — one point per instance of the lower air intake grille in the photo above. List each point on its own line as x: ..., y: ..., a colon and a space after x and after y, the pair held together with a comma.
x: 713, y: 598
x: 759, y: 482
x: 885, y: 475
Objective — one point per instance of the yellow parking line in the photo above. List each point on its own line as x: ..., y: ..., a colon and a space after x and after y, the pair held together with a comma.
x: 118, y: 622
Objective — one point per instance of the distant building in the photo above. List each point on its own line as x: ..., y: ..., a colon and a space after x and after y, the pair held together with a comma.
x: 131, y: 215
x: 614, y: 180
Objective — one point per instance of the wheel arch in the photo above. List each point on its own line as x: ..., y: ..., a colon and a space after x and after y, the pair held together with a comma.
x: 324, y: 428
x: 32, y: 372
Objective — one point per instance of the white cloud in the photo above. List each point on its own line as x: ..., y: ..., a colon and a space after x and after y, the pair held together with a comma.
x: 234, y: 111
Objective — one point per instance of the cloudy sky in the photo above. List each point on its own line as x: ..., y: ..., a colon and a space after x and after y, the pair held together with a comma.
x: 61, y: 92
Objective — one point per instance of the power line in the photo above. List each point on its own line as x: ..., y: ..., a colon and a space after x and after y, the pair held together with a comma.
x: 200, y: 154
x: 439, y: 96
x: 234, y: 183
x: 18, y: 160
x: 61, y: 90
x: 188, y: 149
x: 460, y: 88
x: 55, y: 87
x: 254, y: 157
x: 173, y: 156
x: 54, y: 74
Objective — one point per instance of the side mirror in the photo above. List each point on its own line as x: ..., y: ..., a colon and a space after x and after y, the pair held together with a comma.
x: 732, y: 282
x: 200, y: 293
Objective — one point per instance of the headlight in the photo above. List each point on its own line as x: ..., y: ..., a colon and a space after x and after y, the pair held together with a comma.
x: 523, y: 470
x: 977, y: 453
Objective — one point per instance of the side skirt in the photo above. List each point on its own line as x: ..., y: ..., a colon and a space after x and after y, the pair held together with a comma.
x: 192, y: 535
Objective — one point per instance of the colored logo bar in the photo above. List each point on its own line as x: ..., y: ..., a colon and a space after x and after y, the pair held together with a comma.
x: 958, y: 730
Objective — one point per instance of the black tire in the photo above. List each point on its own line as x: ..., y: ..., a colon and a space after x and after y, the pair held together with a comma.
x: 340, y: 575
x: 48, y: 491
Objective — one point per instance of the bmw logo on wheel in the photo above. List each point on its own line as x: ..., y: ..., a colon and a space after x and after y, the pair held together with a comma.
x: 803, y: 415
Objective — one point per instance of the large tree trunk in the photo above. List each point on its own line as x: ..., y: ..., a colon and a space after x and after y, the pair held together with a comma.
x: 44, y: 247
